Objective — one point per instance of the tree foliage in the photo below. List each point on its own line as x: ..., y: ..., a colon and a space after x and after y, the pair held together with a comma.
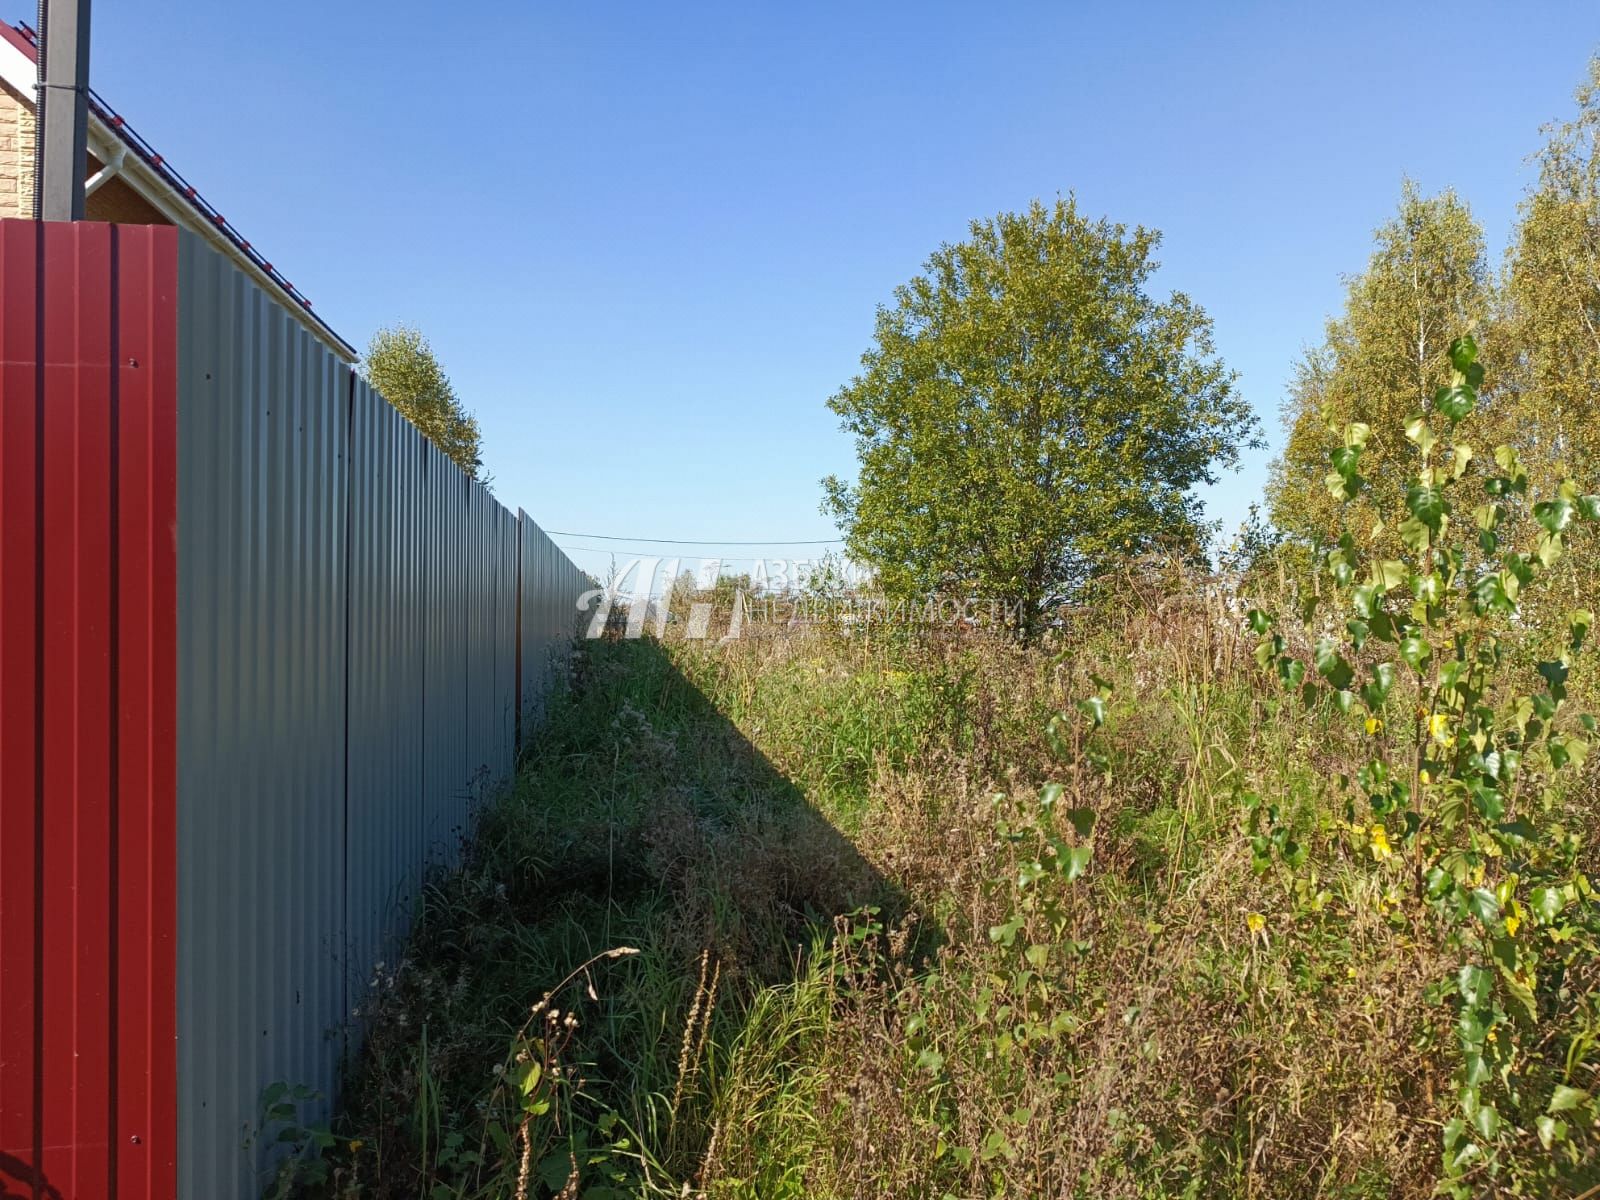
x: 401, y: 365
x: 1381, y: 362
x: 1539, y: 324
x: 1029, y: 413
x: 1552, y: 311
x: 1472, y: 750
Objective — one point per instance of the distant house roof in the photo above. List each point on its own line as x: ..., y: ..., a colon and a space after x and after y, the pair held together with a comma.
x: 159, y: 183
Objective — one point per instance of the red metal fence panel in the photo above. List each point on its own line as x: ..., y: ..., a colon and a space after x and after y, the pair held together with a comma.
x: 87, y: 735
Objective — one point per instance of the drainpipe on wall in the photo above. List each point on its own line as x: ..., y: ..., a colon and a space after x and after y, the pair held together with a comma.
x: 63, y: 109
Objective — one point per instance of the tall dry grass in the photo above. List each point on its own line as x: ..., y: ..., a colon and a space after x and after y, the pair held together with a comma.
x: 845, y: 988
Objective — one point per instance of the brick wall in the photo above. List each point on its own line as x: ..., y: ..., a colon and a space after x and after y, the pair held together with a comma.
x: 114, y: 201
x: 16, y: 154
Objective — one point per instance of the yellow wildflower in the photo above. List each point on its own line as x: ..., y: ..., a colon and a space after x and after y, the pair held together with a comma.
x: 1380, y: 843
x: 1512, y: 922
x: 1374, y: 725
x: 1255, y: 922
x: 1439, y: 728
x: 355, y: 1145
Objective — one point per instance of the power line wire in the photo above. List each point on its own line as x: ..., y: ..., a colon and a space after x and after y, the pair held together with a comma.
x: 605, y: 537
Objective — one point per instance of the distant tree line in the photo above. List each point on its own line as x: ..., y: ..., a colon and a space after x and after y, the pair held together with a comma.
x: 1430, y: 279
x: 1030, y: 417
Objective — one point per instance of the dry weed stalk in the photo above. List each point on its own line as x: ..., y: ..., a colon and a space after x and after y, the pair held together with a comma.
x: 696, y: 1030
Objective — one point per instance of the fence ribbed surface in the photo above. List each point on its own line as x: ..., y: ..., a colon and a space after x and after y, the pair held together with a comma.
x: 264, y: 652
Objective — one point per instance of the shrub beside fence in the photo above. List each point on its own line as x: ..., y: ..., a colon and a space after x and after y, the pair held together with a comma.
x: 263, y: 649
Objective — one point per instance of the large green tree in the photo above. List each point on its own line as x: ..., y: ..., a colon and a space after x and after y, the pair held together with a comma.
x: 1382, y: 361
x: 402, y: 366
x: 1029, y: 414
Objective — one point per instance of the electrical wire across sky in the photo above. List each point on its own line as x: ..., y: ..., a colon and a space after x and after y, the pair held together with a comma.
x: 605, y: 537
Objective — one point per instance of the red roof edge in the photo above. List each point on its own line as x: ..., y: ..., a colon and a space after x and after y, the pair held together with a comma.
x: 20, y: 37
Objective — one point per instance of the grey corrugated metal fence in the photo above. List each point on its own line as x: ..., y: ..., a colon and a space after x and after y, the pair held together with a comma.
x: 351, y: 612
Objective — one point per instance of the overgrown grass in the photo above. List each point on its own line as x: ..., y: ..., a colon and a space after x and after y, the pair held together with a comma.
x: 844, y: 983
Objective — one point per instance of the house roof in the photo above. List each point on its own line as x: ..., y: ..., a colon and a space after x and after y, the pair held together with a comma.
x: 168, y: 190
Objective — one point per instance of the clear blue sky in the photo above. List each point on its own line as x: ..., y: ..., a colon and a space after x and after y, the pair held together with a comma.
x: 647, y: 239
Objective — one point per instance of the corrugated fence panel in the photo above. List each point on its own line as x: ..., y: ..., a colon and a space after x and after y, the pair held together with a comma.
x: 387, y: 729
x: 478, y: 570
x: 551, y: 589
x: 445, y: 755
x: 21, y: 643
x: 505, y: 655
x: 261, y: 711
x: 145, y: 492
x: 86, y: 700
x: 259, y: 664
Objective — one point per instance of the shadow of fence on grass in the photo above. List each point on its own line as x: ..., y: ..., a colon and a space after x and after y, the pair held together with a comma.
x: 642, y: 817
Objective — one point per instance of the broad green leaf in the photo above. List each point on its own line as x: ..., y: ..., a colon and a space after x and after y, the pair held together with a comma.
x: 1345, y: 460
x: 1547, y: 902
x: 1554, y: 515
x: 1420, y: 432
x: 1389, y: 574
x: 1427, y: 504
x: 1377, y: 691
x: 1465, y: 1156
x: 1550, y: 1131
x: 1415, y: 535
x: 1483, y: 905
x: 1456, y: 401
x: 1489, y: 595
x: 1565, y: 1098
x: 1463, y: 352
x: 1491, y: 805
x: 1344, y: 487
x: 1415, y: 651
x: 1082, y: 821
x: 1332, y: 665
x: 1077, y: 862
x: 1578, y: 628
x: 1475, y: 984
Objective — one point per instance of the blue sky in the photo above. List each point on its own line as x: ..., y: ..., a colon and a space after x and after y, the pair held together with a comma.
x: 647, y: 239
